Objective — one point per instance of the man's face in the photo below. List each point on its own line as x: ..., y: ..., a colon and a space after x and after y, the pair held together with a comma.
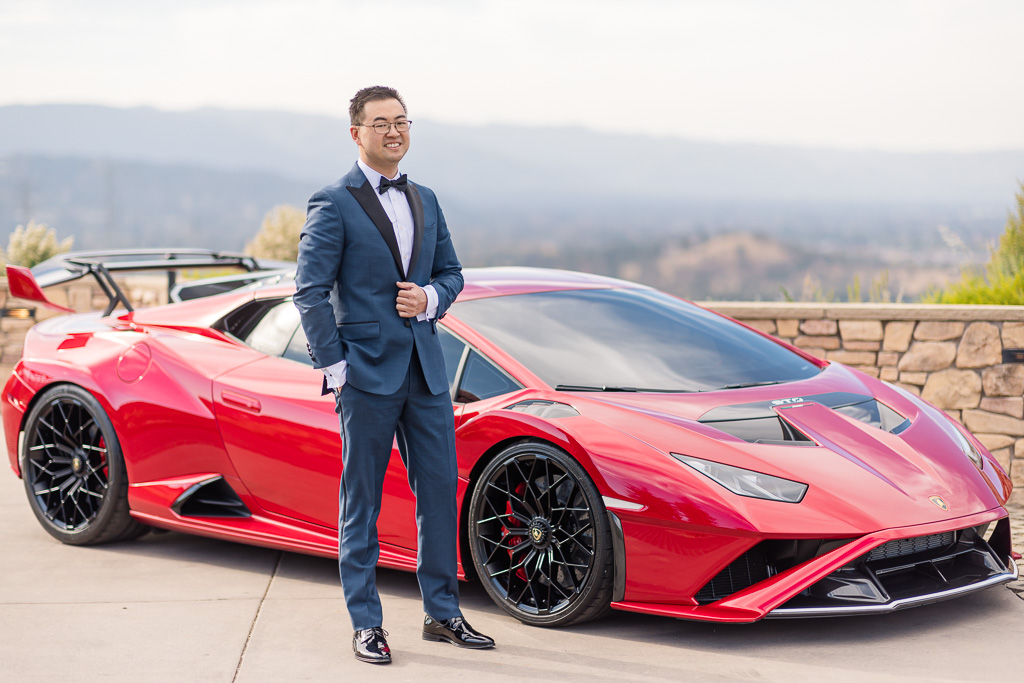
x: 381, y: 152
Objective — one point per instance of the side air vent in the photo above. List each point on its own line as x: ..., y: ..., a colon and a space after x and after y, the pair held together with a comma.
x: 211, y: 498
x: 545, y: 409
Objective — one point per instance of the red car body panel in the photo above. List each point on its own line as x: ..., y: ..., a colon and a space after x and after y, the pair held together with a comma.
x: 189, y: 402
x: 756, y: 602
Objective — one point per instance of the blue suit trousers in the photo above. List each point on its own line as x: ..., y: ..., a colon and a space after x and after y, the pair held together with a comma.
x: 423, y: 425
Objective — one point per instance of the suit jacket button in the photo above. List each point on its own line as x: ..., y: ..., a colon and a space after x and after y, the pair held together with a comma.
x: 407, y: 323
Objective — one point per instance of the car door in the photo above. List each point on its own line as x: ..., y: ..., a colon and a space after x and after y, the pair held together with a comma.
x: 282, y: 436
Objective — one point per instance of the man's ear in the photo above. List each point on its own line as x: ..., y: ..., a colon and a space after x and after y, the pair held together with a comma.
x: 354, y: 130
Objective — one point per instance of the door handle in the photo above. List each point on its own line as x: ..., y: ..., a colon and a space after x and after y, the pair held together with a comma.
x: 240, y: 401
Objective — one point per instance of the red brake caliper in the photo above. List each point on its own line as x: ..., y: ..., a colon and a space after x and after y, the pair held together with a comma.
x: 106, y: 467
x: 512, y: 521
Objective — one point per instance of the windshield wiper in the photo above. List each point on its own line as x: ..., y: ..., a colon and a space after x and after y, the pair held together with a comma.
x: 752, y: 384
x: 583, y: 387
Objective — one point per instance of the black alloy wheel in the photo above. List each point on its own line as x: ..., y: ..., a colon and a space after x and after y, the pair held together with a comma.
x: 73, y: 469
x: 540, y: 537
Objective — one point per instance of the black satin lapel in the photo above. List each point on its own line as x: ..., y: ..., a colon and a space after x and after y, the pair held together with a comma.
x: 371, y: 205
x: 416, y: 205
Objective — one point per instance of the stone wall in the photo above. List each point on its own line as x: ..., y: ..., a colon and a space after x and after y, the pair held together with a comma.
x: 12, y: 338
x: 950, y: 355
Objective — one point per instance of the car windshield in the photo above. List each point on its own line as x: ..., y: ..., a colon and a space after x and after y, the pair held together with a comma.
x: 629, y: 340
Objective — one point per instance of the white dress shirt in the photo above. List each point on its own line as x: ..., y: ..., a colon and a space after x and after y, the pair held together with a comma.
x: 396, y: 206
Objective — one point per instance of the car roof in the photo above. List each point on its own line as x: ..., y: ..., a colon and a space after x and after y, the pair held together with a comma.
x: 487, y: 282
x: 482, y: 283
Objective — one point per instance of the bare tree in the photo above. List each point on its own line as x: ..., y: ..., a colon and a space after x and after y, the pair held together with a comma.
x: 34, y: 244
x: 278, y: 237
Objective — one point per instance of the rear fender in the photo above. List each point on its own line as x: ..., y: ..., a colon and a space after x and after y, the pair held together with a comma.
x: 166, y: 426
x: 24, y: 387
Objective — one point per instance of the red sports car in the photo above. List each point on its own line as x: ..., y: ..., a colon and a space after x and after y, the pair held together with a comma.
x: 618, y: 448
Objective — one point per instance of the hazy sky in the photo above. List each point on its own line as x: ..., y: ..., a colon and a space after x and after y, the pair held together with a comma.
x: 883, y: 74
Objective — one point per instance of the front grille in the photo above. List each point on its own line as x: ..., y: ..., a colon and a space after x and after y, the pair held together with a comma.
x: 911, y: 546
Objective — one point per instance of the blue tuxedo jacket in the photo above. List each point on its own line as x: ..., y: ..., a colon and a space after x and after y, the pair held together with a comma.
x: 348, y: 265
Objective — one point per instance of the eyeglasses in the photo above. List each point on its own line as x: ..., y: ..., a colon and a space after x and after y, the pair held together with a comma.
x: 383, y: 128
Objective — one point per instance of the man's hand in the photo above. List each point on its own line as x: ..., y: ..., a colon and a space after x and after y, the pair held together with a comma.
x: 411, y: 301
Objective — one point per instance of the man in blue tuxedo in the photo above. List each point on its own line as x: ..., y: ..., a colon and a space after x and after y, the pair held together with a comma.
x: 376, y: 269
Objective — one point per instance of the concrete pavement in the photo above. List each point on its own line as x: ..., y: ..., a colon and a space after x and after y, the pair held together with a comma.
x: 172, y: 607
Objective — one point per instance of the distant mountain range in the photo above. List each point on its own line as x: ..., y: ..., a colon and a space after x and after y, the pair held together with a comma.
x: 514, y: 164
x: 127, y: 177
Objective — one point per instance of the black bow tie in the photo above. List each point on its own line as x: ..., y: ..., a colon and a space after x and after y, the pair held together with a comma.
x: 402, y: 184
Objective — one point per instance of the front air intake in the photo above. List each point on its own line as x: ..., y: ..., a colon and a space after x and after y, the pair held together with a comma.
x: 765, y: 559
x: 908, y: 571
x: 743, y: 572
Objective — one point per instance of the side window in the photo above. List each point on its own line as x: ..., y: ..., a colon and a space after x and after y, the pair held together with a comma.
x: 297, y: 350
x: 482, y: 379
x: 272, y: 332
x: 452, y: 348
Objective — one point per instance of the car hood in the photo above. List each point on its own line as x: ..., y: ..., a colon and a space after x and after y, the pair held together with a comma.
x: 882, y: 472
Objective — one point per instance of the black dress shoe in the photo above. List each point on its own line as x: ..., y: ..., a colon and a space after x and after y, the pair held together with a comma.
x: 455, y: 631
x: 370, y: 645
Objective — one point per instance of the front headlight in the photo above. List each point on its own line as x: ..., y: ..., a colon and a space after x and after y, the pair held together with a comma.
x: 747, y: 482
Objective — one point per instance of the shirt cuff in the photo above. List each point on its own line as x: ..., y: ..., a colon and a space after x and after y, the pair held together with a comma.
x: 431, y: 311
x: 336, y: 374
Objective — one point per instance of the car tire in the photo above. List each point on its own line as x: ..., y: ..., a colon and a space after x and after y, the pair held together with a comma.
x: 73, y: 470
x: 540, y: 537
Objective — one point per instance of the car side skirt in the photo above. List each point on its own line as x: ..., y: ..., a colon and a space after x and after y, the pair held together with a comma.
x: 153, y: 503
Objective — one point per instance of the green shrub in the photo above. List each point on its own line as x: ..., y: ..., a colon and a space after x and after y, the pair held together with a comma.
x: 1002, y: 281
x: 1002, y: 290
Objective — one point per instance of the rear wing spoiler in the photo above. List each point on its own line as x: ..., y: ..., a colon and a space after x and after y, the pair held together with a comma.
x: 26, y: 283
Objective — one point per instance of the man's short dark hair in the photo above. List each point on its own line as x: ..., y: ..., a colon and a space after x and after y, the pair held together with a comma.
x: 372, y: 94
